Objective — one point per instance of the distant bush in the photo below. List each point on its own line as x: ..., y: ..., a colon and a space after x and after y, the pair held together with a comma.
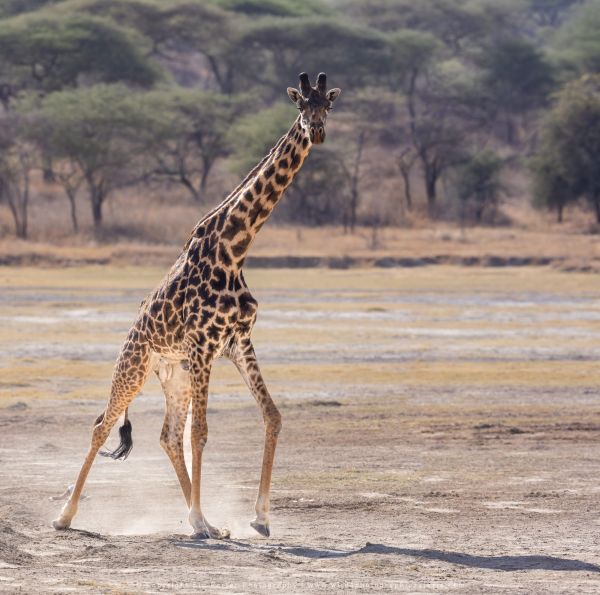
x: 566, y: 166
x: 478, y: 186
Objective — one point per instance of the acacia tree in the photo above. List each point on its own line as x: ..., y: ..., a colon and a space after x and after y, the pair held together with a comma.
x: 50, y: 51
x: 550, y: 189
x: 18, y: 159
x: 457, y: 24
x: 479, y: 185
x: 570, y: 144
x: 66, y: 173
x: 516, y: 80
x: 212, y: 33
x: 442, y: 107
x: 366, y: 117
x: 187, y: 133
x: 180, y: 31
x: 97, y: 130
x: 550, y: 13
x: 405, y: 162
x: 274, y: 49
x: 11, y: 8
x: 577, y: 45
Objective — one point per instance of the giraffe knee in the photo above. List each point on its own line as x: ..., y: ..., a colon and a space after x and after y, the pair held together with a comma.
x: 273, y: 420
x: 199, y: 435
x: 171, y: 443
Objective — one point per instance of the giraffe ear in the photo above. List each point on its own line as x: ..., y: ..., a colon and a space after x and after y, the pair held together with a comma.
x: 333, y: 94
x: 294, y: 95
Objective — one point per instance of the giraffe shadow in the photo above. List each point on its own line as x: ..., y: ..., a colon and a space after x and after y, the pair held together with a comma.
x: 505, y: 563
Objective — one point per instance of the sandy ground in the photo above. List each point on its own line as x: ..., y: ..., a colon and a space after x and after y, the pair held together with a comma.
x: 441, y: 434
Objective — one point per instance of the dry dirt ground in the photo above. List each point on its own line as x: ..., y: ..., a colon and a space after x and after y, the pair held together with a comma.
x: 441, y: 434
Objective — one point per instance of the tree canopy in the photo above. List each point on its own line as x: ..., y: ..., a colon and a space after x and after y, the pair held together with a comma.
x: 570, y: 146
x: 52, y: 51
x: 98, y: 130
x: 185, y: 96
x: 187, y: 131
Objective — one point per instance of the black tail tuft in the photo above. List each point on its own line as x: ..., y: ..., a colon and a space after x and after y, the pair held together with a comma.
x: 122, y: 451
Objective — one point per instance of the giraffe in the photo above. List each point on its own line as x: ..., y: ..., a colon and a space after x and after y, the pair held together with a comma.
x: 203, y: 310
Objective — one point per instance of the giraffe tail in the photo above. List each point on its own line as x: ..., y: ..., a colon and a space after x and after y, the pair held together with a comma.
x: 122, y: 451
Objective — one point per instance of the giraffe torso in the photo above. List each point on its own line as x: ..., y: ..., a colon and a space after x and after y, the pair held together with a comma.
x: 201, y: 304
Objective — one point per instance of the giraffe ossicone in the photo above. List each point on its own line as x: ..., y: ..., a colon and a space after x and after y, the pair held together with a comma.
x: 203, y: 310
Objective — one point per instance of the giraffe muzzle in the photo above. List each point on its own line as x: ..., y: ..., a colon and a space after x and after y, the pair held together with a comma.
x: 317, y: 134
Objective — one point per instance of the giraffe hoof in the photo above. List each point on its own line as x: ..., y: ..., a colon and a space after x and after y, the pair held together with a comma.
x: 200, y: 535
x: 212, y: 533
x: 61, y: 524
x: 262, y: 528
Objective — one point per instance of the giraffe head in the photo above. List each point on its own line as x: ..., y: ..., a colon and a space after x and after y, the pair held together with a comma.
x: 313, y: 103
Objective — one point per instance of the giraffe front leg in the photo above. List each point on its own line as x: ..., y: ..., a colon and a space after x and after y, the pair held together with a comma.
x: 199, y: 376
x: 245, y: 360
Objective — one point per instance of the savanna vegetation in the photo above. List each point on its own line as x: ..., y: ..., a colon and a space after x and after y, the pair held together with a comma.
x: 449, y: 107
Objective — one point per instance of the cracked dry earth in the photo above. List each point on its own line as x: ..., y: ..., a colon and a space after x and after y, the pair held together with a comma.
x: 441, y: 433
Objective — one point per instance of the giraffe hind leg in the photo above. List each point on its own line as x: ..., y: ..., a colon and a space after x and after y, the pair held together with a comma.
x: 129, y: 376
x: 175, y: 382
x: 177, y: 386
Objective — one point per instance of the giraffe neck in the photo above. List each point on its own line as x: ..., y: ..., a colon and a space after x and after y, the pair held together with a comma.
x: 242, y: 214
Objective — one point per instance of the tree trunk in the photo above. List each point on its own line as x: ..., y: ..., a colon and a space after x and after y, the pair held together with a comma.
x: 354, y: 192
x: 48, y: 175
x: 353, y: 206
x: 18, y: 202
x: 97, y: 214
x: 405, y: 163
x: 97, y: 199
x: 407, y: 189
x: 19, y: 213
x: 224, y: 79
x: 73, y: 209
x: 204, y: 179
x: 479, y: 213
x: 97, y: 190
x: 197, y: 194
x: 430, y: 188
x: 559, y: 212
x: 22, y: 230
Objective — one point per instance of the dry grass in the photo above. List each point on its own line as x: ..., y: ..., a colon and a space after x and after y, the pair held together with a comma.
x: 567, y: 250
x: 151, y: 228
